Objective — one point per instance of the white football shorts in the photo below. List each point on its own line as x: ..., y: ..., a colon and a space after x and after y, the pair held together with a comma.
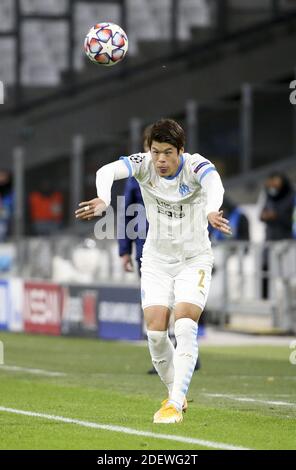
x: 168, y: 284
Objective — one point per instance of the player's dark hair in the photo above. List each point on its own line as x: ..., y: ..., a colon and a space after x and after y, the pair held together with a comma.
x: 167, y: 131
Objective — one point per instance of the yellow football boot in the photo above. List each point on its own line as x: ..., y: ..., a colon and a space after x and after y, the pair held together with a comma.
x: 168, y: 414
x: 184, y: 407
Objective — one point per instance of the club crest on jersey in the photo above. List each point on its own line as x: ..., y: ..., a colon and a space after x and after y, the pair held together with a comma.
x: 184, y: 189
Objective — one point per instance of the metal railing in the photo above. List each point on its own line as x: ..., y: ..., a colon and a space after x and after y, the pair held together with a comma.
x: 255, y: 283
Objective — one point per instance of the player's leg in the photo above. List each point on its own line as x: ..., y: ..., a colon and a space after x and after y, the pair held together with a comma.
x: 160, y: 346
x: 192, y: 286
x: 157, y: 291
x: 185, y: 357
x: 191, y: 290
x: 186, y: 354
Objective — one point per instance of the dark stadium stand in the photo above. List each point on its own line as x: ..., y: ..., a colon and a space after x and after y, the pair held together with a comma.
x: 207, y: 73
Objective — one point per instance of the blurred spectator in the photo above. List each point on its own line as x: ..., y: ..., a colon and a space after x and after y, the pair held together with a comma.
x: 277, y: 212
x: 6, y: 204
x: 237, y: 220
x: 294, y: 218
x: 46, y: 209
x: 133, y: 195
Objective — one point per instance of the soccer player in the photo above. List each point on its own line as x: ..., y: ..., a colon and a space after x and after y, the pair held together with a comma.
x: 133, y: 195
x: 181, y: 193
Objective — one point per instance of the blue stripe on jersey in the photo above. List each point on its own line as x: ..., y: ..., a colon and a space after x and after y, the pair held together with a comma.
x: 208, y: 170
x: 129, y: 167
x: 200, y: 166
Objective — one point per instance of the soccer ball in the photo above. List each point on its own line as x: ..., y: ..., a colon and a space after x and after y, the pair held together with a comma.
x: 106, y: 44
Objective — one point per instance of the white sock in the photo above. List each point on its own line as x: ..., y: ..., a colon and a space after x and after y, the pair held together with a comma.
x: 185, y: 358
x: 162, y: 355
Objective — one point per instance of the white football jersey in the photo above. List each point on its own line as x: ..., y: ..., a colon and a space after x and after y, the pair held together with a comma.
x: 175, y: 206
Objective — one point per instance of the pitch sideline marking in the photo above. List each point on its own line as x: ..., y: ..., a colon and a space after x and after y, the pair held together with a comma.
x: 124, y: 430
x: 33, y: 371
x: 250, y: 400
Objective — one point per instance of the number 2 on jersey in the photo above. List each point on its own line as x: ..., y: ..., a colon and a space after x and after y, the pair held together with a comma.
x: 202, y: 274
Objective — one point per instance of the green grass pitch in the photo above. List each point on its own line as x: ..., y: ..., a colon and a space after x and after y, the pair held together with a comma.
x: 107, y: 383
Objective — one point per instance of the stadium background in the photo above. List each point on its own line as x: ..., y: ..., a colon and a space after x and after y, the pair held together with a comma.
x: 225, y: 70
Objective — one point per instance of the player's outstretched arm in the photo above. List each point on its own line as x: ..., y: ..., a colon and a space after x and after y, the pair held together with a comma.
x: 104, y: 181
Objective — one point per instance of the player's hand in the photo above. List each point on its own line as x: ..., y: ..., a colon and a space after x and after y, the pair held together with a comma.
x: 217, y: 221
x: 127, y: 263
x: 268, y: 214
x: 90, y: 209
